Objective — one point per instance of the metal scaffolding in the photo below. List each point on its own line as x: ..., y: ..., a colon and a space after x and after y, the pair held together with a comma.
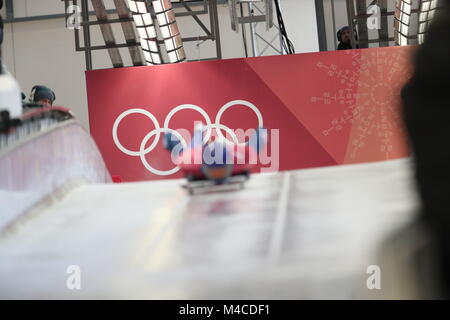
x: 237, y: 19
x: 254, y: 13
x: 107, y: 32
x: 426, y: 10
x: 258, y: 38
x: 129, y: 32
x: 105, y: 18
x: 405, y: 12
x: 357, y: 18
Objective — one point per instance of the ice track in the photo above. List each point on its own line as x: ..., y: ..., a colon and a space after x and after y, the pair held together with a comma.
x: 292, y: 235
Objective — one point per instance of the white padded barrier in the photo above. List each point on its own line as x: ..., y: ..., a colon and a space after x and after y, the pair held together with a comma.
x: 39, y: 166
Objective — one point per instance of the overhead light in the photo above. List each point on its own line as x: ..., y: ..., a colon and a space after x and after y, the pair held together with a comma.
x: 146, y: 30
x: 169, y: 30
x: 402, y: 20
x: 426, y: 15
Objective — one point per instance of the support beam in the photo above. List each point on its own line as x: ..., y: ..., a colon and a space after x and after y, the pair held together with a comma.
x: 129, y: 33
x: 351, y: 20
x: 321, y: 29
x: 199, y: 22
x: 86, y: 33
x: 108, y: 35
x: 258, y: 38
x: 214, y: 17
x: 133, y: 42
x: 9, y: 7
x: 363, y: 32
x: 383, y: 32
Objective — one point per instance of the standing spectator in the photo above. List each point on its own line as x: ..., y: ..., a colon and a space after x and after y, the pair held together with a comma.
x: 42, y: 95
x: 344, y: 37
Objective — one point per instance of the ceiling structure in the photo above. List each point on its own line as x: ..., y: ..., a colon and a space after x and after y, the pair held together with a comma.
x: 149, y: 27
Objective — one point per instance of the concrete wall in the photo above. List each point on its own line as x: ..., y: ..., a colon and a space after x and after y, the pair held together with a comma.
x: 43, y: 52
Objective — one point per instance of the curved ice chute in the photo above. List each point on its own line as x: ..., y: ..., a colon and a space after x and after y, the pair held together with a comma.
x: 10, y: 96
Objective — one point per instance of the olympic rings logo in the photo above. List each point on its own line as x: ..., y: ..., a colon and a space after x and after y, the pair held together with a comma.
x: 217, y: 126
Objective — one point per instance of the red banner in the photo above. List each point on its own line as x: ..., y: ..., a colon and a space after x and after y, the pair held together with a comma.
x: 320, y: 109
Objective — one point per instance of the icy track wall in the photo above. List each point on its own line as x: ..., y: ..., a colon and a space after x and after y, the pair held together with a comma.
x: 39, y: 167
x: 321, y: 109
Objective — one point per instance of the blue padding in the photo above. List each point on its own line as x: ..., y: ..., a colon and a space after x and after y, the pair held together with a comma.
x: 170, y: 141
x: 258, y: 140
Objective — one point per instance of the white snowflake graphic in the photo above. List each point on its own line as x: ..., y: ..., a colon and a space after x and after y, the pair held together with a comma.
x: 370, y: 95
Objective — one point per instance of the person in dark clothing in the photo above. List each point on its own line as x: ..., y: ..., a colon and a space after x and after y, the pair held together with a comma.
x: 426, y: 99
x: 344, y: 37
x: 42, y: 95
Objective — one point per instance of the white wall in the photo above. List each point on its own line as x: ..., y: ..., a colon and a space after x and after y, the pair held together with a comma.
x: 43, y: 52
